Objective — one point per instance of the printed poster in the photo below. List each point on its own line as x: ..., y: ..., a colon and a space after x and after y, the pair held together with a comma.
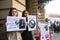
x: 44, y: 29
x: 31, y: 22
x: 15, y: 23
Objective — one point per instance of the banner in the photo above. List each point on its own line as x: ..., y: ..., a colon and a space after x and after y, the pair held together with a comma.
x: 15, y: 23
x: 44, y: 29
x: 31, y: 22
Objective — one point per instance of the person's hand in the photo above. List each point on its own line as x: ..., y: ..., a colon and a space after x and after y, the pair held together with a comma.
x: 6, y: 24
x: 26, y: 24
x: 21, y: 31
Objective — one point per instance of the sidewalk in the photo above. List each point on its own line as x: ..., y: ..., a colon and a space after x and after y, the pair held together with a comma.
x: 56, y: 36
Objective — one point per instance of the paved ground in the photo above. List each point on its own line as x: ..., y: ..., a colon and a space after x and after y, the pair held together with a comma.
x: 56, y: 36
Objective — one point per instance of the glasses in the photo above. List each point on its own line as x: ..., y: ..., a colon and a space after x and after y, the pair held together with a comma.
x: 14, y: 11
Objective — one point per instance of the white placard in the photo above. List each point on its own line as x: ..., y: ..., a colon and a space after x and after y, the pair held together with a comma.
x: 15, y: 23
x: 31, y: 22
x: 44, y: 29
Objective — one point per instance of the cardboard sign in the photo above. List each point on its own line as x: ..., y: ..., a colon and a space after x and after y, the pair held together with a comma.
x: 32, y: 22
x: 15, y: 23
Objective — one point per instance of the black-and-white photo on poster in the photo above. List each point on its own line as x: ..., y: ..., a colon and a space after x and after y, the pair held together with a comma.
x: 15, y: 23
x: 21, y: 24
x: 31, y: 22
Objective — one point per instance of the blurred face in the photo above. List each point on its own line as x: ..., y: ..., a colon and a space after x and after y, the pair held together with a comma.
x: 14, y: 12
x: 26, y: 14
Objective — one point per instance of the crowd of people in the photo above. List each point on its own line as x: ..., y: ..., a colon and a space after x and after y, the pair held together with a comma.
x: 56, y: 26
x: 27, y: 35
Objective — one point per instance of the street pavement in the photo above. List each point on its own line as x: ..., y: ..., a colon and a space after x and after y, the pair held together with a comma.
x: 56, y: 36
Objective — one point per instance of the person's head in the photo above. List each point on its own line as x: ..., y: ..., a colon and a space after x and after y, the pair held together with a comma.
x: 13, y: 12
x: 46, y: 19
x: 25, y: 13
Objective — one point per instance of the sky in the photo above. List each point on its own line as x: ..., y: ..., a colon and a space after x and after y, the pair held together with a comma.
x: 53, y: 7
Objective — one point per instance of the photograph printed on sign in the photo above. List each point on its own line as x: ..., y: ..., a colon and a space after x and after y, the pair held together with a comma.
x: 16, y: 23
x: 22, y: 23
x: 31, y: 22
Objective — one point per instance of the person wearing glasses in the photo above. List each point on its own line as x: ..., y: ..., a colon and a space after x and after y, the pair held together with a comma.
x: 12, y: 35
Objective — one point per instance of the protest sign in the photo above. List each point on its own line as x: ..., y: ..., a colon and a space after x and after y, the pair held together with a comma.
x: 15, y: 23
x: 31, y: 22
x: 44, y: 29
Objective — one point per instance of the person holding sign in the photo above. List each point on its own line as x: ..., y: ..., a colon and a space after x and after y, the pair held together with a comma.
x: 13, y: 35
x: 26, y: 35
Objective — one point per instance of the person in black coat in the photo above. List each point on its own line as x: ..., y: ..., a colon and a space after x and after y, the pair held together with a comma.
x: 26, y: 35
